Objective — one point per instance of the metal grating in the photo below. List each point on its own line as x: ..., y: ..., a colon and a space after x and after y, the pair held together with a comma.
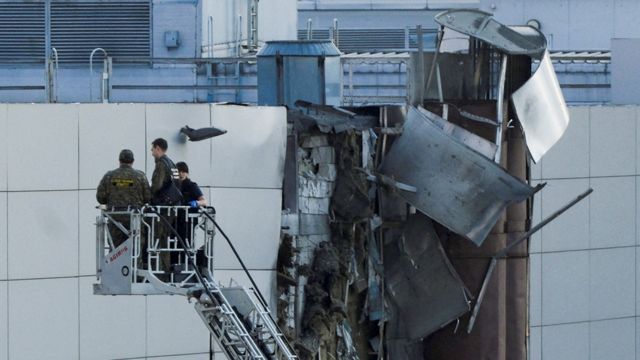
x: 22, y: 32
x: 122, y: 28
x: 359, y: 40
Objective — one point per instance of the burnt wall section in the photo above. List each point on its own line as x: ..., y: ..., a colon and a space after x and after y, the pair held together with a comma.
x: 366, y: 273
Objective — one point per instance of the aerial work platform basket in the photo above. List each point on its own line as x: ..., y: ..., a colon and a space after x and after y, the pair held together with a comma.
x: 169, y: 250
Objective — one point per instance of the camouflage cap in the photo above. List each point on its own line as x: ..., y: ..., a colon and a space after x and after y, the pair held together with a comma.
x: 126, y: 156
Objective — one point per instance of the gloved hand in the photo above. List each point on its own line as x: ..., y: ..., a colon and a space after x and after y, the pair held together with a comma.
x: 193, y: 203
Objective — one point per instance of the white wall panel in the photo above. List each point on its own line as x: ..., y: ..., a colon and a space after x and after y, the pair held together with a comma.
x: 637, y: 294
x: 613, y: 218
x: 535, y: 289
x: 569, y: 157
x: 554, y: 18
x: 87, y: 213
x: 105, y: 129
x: 3, y: 147
x: 203, y: 356
x: 251, y: 153
x: 613, y: 339
x: 174, y: 327
x: 535, y: 241
x: 536, y: 170
x: 4, y: 248
x: 3, y: 321
x: 571, y: 230
x: 41, y: 155
x: 251, y: 219
x: 535, y: 343
x: 111, y: 327
x: 165, y: 121
x: 637, y: 141
x: 565, y: 342
x: 613, y: 138
x: 612, y: 283
x: 43, y: 319
x: 43, y: 234
x: 565, y: 287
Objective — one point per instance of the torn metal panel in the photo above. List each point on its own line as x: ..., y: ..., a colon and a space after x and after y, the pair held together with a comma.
x: 419, y: 276
x: 466, y: 137
x: 457, y: 186
x: 513, y: 40
x: 401, y: 349
x: 541, y: 109
x: 332, y: 118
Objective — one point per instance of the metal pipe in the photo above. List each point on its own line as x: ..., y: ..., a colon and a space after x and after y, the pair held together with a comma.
x: 239, y: 36
x: 91, y: 70
x: 503, y: 253
x: 336, y: 32
x: 210, y: 36
x: 55, y: 83
x: 309, y: 29
x: 435, y: 59
x: 499, y: 107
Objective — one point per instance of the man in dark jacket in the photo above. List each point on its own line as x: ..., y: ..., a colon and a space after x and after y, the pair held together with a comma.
x: 165, y: 179
x: 165, y: 190
x: 122, y: 188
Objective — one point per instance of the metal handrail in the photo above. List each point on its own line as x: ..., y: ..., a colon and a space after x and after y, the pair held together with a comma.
x: 91, y: 70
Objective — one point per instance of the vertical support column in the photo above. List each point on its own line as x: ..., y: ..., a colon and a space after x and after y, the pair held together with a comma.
x: 47, y: 52
x: 500, y: 107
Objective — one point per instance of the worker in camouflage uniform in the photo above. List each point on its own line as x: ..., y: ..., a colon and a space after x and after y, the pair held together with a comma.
x: 164, y: 187
x: 122, y: 188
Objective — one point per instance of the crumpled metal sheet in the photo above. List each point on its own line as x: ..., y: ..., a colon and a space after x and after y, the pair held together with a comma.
x: 477, y: 143
x: 425, y: 291
x: 457, y: 186
x: 541, y: 109
x: 330, y: 118
x: 514, y: 40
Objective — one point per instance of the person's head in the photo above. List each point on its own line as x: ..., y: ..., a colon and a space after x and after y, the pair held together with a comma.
x: 126, y: 157
x: 159, y: 147
x: 183, y: 170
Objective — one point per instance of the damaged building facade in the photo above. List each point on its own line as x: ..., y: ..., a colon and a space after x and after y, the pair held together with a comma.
x: 407, y: 226
x: 448, y: 221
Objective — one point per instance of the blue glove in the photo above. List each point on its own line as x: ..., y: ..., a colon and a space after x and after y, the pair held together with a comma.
x: 193, y: 203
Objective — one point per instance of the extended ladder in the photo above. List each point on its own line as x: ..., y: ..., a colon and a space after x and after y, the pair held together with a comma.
x: 236, y: 317
x: 242, y: 324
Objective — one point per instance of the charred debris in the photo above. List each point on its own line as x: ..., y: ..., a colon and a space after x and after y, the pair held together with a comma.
x: 400, y: 221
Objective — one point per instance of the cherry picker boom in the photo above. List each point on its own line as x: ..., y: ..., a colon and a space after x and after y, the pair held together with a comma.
x: 237, y: 318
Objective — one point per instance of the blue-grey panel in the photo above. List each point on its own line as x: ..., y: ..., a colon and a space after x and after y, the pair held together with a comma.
x: 122, y: 28
x: 590, y: 24
x: 22, y: 30
x: 299, y: 48
x: 457, y: 186
x: 267, y: 81
x: 625, y: 55
x: 302, y: 81
x: 180, y: 16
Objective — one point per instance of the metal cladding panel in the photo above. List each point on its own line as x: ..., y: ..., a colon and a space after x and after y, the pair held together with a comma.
x: 419, y: 276
x: 22, y: 30
x: 122, y: 28
x: 456, y: 186
x: 541, y: 109
x: 299, y: 48
x: 514, y: 40
x: 303, y: 80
